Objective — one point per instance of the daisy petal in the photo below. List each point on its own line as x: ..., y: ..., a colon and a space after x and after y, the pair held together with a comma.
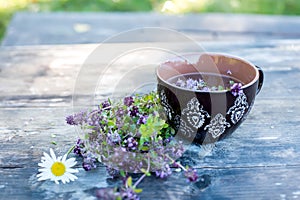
x: 64, y: 158
x: 71, y: 162
x: 52, y: 154
x: 71, y: 176
x: 46, y: 157
x: 70, y: 170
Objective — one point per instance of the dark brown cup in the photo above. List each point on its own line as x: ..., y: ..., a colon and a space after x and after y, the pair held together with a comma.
x: 205, y: 117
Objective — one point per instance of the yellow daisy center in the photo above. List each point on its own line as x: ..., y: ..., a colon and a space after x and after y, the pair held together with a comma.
x: 58, y: 169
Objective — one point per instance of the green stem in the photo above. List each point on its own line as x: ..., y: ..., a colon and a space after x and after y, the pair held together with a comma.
x: 71, y: 149
x: 144, y: 175
x: 173, y: 161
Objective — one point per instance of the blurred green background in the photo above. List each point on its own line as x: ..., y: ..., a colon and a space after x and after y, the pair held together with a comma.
x: 281, y: 7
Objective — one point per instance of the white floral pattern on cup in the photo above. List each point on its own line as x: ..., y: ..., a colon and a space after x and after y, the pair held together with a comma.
x: 194, y: 113
x: 217, y: 126
x: 168, y: 109
x: 194, y: 116
x: 184, y: 129
x: 238, y: 109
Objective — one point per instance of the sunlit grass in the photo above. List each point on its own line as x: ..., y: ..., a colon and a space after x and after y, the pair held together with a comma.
x: 279, y: 7
x: 285, y: 7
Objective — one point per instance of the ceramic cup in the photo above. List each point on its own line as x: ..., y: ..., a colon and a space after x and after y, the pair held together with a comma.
x: 207, y: 116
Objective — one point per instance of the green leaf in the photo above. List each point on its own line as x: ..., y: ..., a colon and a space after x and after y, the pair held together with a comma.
x: 138, y: 190
x: 144, y: 148
x: 122, y: 173
x: 146, y: 172
x: 129, y: 181
x: 111, y: 123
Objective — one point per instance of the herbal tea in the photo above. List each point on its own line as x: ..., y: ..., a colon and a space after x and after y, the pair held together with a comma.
x: 205, y: 82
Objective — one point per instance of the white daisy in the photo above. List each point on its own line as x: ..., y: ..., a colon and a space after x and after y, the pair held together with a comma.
x: 57, y: 169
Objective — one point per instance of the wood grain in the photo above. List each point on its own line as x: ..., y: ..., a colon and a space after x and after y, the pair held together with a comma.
x: 260, y: 160
x: 62, y: 27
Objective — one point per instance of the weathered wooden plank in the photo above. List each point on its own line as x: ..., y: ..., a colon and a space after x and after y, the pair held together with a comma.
x: 269, y: 137
x: 52, y: 70
x: 74, y: 28
x: 236, y: 183
x: 259, y: 161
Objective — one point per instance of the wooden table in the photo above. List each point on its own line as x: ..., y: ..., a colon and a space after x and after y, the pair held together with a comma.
x: 261, y: 160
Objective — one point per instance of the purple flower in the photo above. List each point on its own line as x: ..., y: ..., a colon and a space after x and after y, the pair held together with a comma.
x: 131, y: 143
x: 113, y: 172
x: 120, y: 113
x: 191, y: 174
x: 175, y: 165
x: 70, y: 120
x: 89, y: 163
x: 128, y: 101
x: 190, y: 83
x: 106, y: 194
x: 76, y: 119
x: 79, y: 148
x: 149, y: 105
x: 114, y: 137
x: 167, y: 140
x: 206, y: 89
x: 94, y: 119
x: 164, y: 172
x: 105, y: 104
x: 180, y: 83
x: 236, y: 89
x: 229, y: 72
x: 142, y: 119
x: 134, y: 111
x: 129, y: 194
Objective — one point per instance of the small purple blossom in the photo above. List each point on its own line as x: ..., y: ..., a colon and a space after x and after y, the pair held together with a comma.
x: 120, y: 113
x: 105, y: 104
x: 79, y: 148
x: 94, y: 119
x: 70, y: 120
x: 236, y: 89
x: 134, y: 111
x: 191, y: 174
x: 175, y: 165
x: 128, y: 101
x: 163, y: 172
x: 89, y: 163
x: 106, y: 194
x: 76, y: 119
x: 113, y: 172
x: 142, y: 119
x: 131, y: 143
x: 167, y: 140
x: 191, y: 84
x: 129, y: 194
x: 114, y: 137
x: 229, y: 72
x: 149, y: 105
x: 180, y: 83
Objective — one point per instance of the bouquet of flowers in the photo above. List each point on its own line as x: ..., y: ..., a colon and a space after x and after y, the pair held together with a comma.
x: 128, y: 136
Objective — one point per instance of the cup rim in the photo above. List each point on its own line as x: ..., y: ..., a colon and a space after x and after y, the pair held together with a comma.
x: 255, y: 79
